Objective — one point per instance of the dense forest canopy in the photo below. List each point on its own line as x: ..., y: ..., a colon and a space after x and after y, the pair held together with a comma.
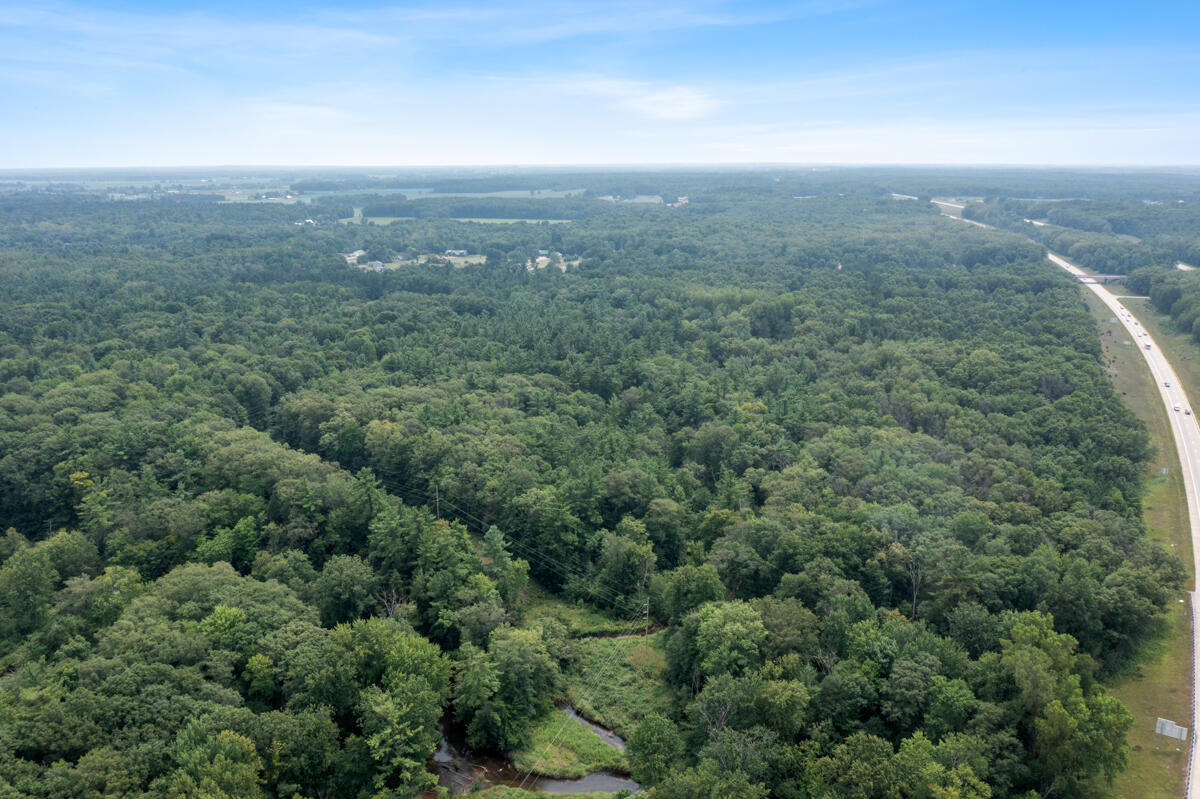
x: 271, y: 516
x: 1112, y: 237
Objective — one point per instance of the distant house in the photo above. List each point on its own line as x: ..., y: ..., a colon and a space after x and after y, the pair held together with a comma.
x: 455, y: 253
x: 376, y: 265
x: 543, y: 252
x: 404, y: 256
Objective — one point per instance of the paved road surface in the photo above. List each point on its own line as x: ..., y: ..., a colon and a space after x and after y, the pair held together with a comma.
x: 1187, y: 443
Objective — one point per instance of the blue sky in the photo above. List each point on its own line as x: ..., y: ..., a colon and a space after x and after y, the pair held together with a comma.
x: 599, y: 82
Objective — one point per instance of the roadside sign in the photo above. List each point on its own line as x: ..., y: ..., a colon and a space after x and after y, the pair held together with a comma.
x: 1170, y: 729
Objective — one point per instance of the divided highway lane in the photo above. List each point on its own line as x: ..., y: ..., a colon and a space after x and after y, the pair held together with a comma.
x: 1187, y: 444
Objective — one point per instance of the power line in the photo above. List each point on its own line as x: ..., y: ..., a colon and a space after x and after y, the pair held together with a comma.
x: 600, y: 674
x: 595, y: 683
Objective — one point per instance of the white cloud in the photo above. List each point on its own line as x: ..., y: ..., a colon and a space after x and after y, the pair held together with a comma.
x: 40, y: 78
x: 665, y: 103
x: 527, y: 21
x: 676, y: 102
x: 88, y: 35
x: 168, y: 30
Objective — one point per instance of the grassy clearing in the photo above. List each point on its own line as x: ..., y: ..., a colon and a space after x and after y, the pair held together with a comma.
x: 382, y: 220
x: 1160, y: 683
x: 457, y: 260
x: 616, y: 682
x: 579, y: 619
x: 505, y: 792
x: 566, y: 748
x: 359, y: 219
x: 387, y: 220
x: 498, y: 221
x: 279, y: 195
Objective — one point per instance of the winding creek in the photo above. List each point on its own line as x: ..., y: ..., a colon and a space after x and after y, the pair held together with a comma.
x: 462, y: 769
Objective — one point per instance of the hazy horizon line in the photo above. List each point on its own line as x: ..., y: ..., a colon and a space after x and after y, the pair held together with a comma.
x: 622, y: 165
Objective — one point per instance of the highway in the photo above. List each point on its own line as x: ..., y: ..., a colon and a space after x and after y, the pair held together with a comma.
x: 1187, y: 444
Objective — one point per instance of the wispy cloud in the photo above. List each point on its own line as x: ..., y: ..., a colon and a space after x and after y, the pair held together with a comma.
x: 543, y: 21
x: 675, y: 102
x: 617, y: 81
x: 51, y: 79
x: 1160, y: 139
x: 655, y: 102
x: 317, y: 28
x: 115, y: 40
x: 167, y: 28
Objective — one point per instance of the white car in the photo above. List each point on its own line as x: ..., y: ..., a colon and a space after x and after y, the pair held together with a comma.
x: 1176, y: 407
x: 1167, y: 383
x: 1187, y: 411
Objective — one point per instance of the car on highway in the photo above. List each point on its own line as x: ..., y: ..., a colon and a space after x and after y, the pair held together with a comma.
x: 1187, y: 411
x: 1176, y: 407
x: 1167, y: 383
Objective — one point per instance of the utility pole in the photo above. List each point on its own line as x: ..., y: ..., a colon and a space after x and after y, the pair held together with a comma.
x: 646, y: 588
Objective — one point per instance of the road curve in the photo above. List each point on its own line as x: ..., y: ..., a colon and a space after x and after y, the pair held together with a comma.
x: 1187, y: 444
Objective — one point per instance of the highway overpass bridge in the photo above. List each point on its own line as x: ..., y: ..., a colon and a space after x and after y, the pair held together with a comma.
x: 1099, y: 278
